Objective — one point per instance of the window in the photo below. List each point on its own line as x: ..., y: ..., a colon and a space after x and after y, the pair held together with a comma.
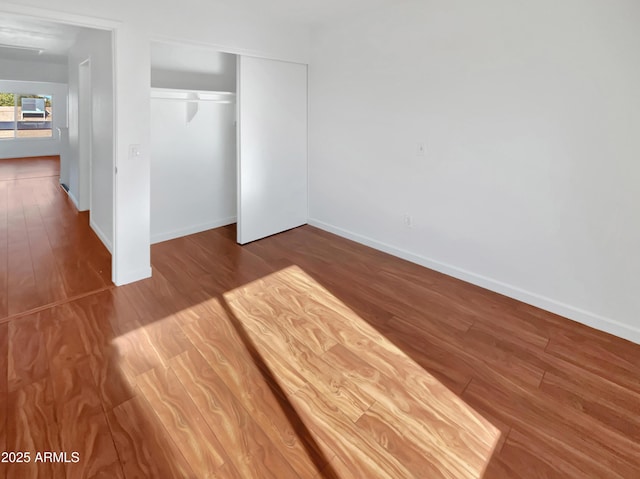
x: 25, y: 116
x: 7, y: 115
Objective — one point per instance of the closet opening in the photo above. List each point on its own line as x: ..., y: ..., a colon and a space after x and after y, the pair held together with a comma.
x: 193, y: 140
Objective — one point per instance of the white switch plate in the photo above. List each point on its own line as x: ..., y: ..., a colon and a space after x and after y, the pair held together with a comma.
x: 420, y: 149
x: 134, y: 152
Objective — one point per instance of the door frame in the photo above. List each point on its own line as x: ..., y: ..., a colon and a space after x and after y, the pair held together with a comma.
x: 85, y: 135
x: 96, y: 23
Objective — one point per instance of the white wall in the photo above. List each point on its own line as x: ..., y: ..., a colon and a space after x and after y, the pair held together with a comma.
x: 192, y: 68
x: 95, y: 45
x: 216, y: 23
x: 25, y: 147
x: 32, y: 71
x: 529, y: 115
x: 193, y: 167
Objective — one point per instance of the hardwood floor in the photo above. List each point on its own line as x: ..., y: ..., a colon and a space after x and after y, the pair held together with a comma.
x: 48, y: 252
x: 304, y: 355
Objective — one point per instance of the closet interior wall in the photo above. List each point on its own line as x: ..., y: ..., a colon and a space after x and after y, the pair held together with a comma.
x: 193, y: 140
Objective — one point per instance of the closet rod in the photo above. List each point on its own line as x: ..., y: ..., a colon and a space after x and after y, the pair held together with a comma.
x: 193, y: 100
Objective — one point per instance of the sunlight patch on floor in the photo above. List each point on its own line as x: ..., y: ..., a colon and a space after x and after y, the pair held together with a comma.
x: 361, y: 397
x: 331, y: 395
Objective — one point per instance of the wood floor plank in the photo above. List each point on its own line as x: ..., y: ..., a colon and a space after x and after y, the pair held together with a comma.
x: 136, y: 352
x: 420, y: 460
x: 90, y: 436
x: 240, y: 265
x: 569, y: 384
x: 270, y: 298
x: 300, y: 355
x: 48, y: 249
x: 3, y: 437
x: 435, y: 357
x: 74, y: 391
x: 49, y: 280
x: 249, y: 449
x: 466, y: 351
x: 144, y: 298
x: 95, y: 320
x: 610, y: 357
x: 263, y: 335
x: 359, y: 272
x: 22, y: 288
x: 4, y: 358
x: 597, y: 447
x: 294, y: 364
x: 27, y: 355
x: 498, y: 469
x: 167, y: 337
x: 503, y: 325
x: 359, y: 339
x: 115, y: 382
x: 527, y: 457
x: 144, y: 447
x: 362, y: 454
x: 64, y: 346
x: 368, y: 305
x: 4, y: 250
x: 78, y: 276
x: 220, y: 345
x: 469, y: 436
x: 117, y: 365
x: 458, y: 448
x: 82, y: 425
x: 32, y: 427
x: 183, y: 421
x: 609, y: 403
x: 4, y: 385
x: 32, y: 167
x: 114, y: 310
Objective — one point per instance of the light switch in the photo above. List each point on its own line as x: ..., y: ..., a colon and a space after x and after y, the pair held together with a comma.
x: 134, y: 152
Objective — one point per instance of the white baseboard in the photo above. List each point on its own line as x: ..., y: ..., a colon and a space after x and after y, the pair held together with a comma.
x: 169, y: 235
x: 593, y: 320
x: 73, y: 199
x: 127, y: 277
x: 101, y: 235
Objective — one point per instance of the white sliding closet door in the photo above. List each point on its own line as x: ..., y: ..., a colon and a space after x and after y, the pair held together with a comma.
x: 272, y: 147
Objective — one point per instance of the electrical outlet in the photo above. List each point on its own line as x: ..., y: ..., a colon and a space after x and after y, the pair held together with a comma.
x: 407, y: 220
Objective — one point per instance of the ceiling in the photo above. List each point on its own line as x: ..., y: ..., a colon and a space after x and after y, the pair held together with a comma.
x: 35, y: 40
x: 313, y: 12
x: 23, y: 38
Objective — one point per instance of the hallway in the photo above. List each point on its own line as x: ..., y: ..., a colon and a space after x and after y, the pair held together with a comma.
x: 48, y: 252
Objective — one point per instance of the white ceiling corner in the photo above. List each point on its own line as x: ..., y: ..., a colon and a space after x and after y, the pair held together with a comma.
x: 23, y: 38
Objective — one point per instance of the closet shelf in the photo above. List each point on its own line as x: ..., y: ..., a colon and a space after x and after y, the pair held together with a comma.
x: 192, y: 96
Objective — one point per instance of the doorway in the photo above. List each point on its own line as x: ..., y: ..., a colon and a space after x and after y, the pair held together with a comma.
x: 85, y: 135
x: 76, y: 54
